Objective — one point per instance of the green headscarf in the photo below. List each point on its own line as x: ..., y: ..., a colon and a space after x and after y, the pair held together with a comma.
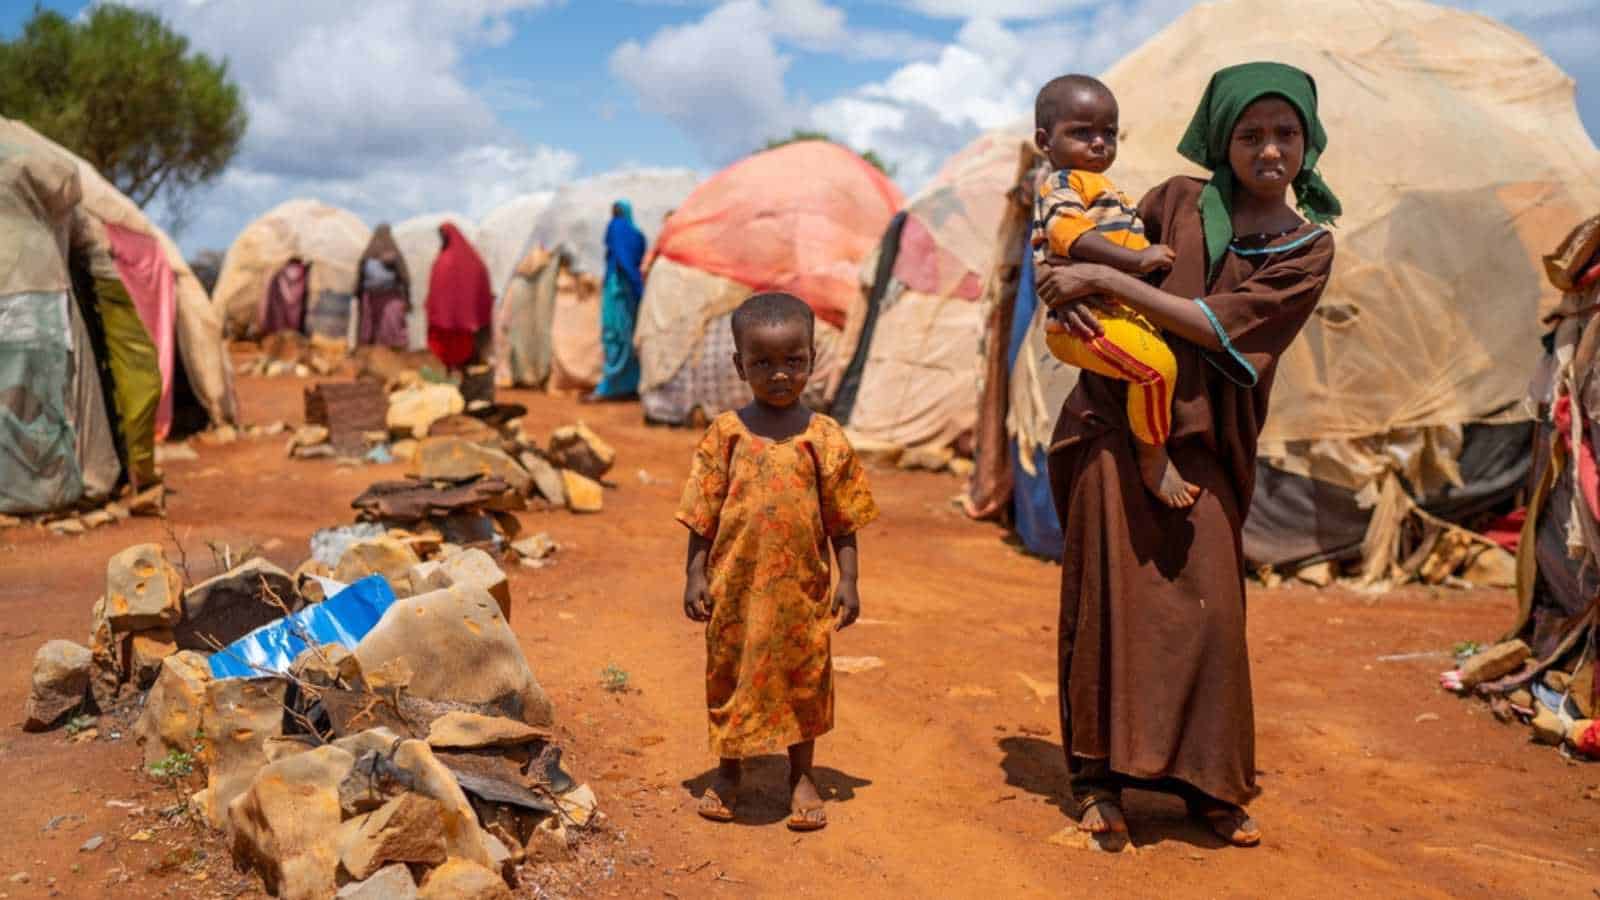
x: 1206, y: 143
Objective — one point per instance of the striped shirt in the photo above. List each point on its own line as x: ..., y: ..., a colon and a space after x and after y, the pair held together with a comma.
x: 1072, y: 203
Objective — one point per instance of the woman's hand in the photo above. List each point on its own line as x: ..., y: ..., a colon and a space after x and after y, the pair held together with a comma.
x: 1073, y: 291
x: 846, y: 604
x: 697, y: 598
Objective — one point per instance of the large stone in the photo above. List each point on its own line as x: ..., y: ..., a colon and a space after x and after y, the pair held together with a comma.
x: 458, y: 822
x: 459, y: 879
x: 413, y: 411
x: 1495, y: 662
x: 388, y: 883
x: 235, y: 603
x: 459, y: 648
x: 143, y: 590
x: 576, y: 447
x: 329, y: 665
x: 378, y: 556
x: 1547, y: 727
x: 171, y: 721
x: 60, y: 683
x: 237, y: 717
x: 282, y: 824
x: 145, y: 651
x: 1581, y: 686
x: 584, y: 495
x: 404, y: 830
x: 457, y: 459
x: 460, y: 730
x: 546, y: 477
x: 476, y: 568
x: 469, y: 428
x: 107, y: 666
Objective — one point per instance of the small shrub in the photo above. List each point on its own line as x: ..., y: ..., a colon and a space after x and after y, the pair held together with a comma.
x: 614, y: 679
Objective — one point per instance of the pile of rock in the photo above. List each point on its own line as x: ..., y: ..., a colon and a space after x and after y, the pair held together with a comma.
x: 1557, y: 705
x: 423, y: 757
x: 293, y: 354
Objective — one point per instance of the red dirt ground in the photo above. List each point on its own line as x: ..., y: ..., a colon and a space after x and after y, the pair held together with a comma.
x: 945, y: 769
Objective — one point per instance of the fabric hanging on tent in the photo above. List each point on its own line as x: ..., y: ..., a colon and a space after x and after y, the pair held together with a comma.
x: 1032, y: 504
x: 39, y: 469
x: 132, y: 360
x: 283, y: 308
x: 844, y: 401
x: 152, y: 286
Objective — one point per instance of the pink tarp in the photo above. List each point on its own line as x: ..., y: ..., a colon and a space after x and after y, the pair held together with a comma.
x: 151, y: 284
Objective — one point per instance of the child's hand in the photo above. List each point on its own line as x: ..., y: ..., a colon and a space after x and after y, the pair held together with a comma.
x: 1156, y: 256
x: 697, y: 599
x: 846, y: 604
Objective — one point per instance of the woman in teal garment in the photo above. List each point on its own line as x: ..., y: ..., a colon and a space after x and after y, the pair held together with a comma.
x: 619, y: 306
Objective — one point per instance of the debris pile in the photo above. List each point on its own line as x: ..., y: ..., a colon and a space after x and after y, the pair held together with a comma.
x: 390, y: 740
x: 1443, y: 555
x: 290, y: 353
x: 1558, y: 705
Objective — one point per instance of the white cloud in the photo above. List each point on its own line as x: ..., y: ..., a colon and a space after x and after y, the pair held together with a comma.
x: 722, y: 78
x: 1004, y: 10
x: 362, y: 105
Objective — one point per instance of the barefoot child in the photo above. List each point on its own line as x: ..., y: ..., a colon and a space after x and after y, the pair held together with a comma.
x: 771, y: 486
x: 1079, y: 214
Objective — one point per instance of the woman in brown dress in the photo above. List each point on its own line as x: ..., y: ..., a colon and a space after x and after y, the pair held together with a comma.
x: 1154, y: 671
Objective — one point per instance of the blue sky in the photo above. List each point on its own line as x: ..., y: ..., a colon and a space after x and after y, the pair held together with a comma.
x: 401, y: 107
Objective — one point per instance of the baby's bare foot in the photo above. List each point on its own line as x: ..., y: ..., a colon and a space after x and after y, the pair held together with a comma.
x: 1161, y: 477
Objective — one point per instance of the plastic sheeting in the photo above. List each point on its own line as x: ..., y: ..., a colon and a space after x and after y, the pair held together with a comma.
x: 524, y: 345
x: 798, y: 218
x: 577, y: 359
x: 577, y: 215
x: 1032, y: 503
x: 343, y: 619
x: 501, y: 236
x: 329, y: 238
x: 419, y: 242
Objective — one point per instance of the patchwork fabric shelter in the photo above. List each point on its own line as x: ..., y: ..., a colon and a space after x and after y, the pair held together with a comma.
x: 798, y: 218
x: 330, y: 240
x: 195, y: 375
x: 571, y: 232
x: 912, y: 379
x: 419, y: 242
x: 502, y: 235
x: 1405, y: 388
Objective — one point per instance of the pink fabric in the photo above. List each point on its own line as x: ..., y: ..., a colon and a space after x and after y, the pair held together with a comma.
x: 1588, y: 473
x: 919, y: 261
x: 153, y: 287
x: 383, y: 318
x: 459, y: 296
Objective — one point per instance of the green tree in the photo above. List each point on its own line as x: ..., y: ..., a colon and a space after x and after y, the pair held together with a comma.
x: 801, y: 134
x: 122, y: 90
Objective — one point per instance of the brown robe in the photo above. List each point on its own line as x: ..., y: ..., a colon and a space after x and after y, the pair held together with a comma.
x: 1155, y: 675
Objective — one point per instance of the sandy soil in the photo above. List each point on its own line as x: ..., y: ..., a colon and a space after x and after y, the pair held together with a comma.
x: 945, y: 771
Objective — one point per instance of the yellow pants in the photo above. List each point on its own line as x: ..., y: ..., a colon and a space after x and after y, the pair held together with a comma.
x: 1131, y: 350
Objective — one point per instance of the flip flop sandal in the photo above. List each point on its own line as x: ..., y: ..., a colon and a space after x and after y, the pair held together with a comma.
x: 805, y: 820
x: 713, y: 807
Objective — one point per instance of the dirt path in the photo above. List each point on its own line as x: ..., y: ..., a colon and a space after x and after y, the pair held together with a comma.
x: 945, y: 769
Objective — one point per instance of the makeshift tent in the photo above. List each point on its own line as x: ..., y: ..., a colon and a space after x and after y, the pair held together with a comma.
x: 420, y: 244
x: 327, y: 238
x: 196, y: 377
x: 570, y: 234
x: 502, y: 235
x: 914, y: 382
x: 798, y: 218
x: 1404, y: 389
x: 1558, y: 554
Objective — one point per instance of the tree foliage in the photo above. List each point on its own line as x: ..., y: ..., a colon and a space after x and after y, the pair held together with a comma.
x: 801, y: 134
x: 122, y: 90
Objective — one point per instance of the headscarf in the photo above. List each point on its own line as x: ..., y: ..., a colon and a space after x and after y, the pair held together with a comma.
x: 625, y: 247
x: 383, y: 248
x: 459, y: 296
x: 1206, y: 142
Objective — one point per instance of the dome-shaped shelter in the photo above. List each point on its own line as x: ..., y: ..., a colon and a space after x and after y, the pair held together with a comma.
x: 912, y: 380
x: 798, y: 218
x: 328, y: 240
x: 552, y: 320
x: 501, y: 236
x: 1457, y: 151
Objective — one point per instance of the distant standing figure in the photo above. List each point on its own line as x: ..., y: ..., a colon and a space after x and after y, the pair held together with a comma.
x: 460, y: 302
x: 284, y: 306
x: 383, y: 288
x: 619, y: 306
x: 771, y: 487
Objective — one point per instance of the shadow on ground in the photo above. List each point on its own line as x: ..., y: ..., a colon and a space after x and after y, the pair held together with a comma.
x: 764, y: 791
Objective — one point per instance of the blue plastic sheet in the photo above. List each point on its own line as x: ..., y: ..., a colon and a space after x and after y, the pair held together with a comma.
x: 345, y: 618
x: 1033, y: 506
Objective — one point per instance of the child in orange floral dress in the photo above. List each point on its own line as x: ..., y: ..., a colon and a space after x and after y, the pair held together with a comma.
x: 771, y: 486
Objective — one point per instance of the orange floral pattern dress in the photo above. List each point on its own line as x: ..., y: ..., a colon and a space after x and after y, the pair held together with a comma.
x: 769, y: 509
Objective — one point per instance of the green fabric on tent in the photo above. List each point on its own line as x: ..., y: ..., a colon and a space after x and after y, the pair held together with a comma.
x: 136, y: 374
